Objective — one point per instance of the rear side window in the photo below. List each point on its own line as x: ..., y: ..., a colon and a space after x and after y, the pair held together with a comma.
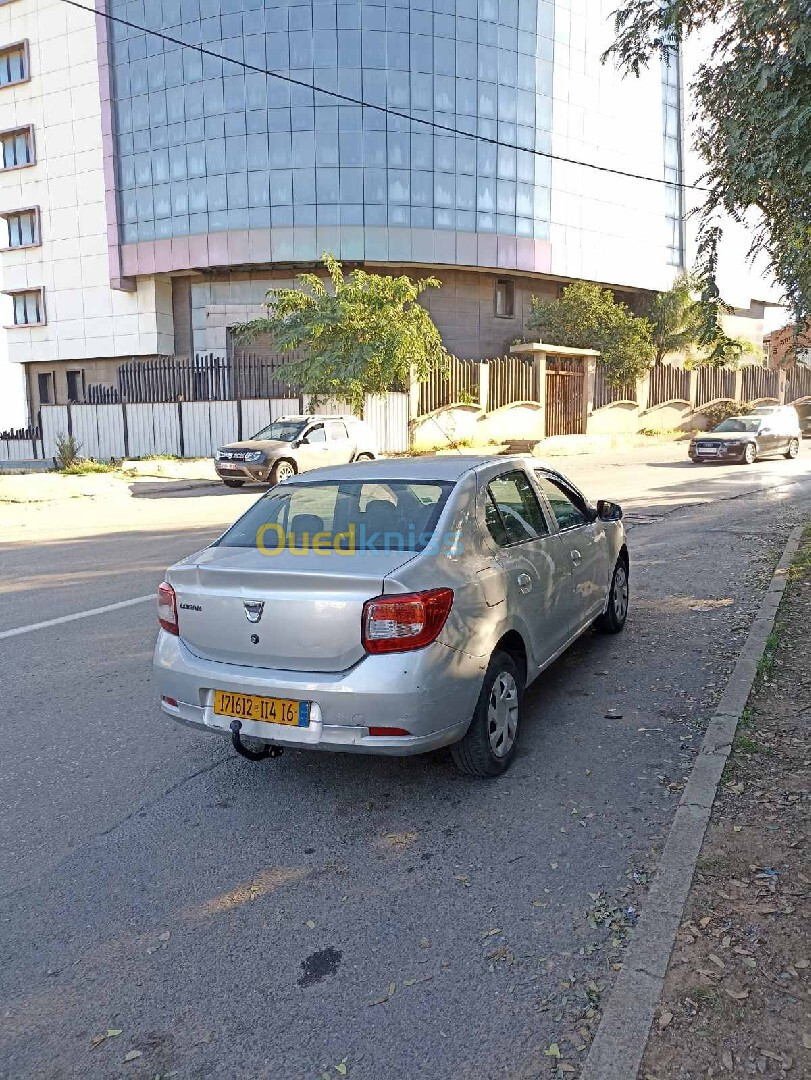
x: 512, y: 512
x: 336, y: 429
x: 342, y: 516
x: 568, y: 513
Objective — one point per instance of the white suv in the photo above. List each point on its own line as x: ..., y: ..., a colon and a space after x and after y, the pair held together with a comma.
x: 294, y: 444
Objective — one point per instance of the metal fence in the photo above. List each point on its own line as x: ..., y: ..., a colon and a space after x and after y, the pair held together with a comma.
x: 457, y: 381
x: 759, y: 382
x: 713, y: 384
x: 20, y: 444
x: 197, y: 428
x: 606, y: 392
x: 798, y: 382
x: 668, y: 383
x: 511, y: 378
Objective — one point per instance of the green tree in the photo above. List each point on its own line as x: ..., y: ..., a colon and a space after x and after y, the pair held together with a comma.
x: 587, y: 317
x: 753, y: 129
x: 361, y: 336
x: 679, y: 324
x: 675, y: 319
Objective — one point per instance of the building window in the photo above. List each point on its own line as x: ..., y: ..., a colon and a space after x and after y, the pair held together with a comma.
x: 14, y: 64
x: 23, y: 228
x: 505, y: 298
x: 45, y: 388
x: 75, y: 386
x: 29, y: 307
x: 17, y: 147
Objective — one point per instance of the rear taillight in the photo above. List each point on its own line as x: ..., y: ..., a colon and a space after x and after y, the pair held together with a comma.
x: 406, y: 621
x: 167, y: 608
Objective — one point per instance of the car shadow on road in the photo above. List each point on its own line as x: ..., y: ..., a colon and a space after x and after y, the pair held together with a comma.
x: 192, y: 489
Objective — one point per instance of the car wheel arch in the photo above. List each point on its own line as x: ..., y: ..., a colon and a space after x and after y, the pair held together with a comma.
x: 513, y: 644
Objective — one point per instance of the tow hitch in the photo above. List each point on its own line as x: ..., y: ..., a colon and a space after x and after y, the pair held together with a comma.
x: 245, y: 751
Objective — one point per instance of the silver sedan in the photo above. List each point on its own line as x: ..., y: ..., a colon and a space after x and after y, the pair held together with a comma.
x: 389, y: 607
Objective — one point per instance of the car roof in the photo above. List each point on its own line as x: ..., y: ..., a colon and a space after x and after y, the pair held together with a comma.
x: 317, y: 416
x: 448, y: 467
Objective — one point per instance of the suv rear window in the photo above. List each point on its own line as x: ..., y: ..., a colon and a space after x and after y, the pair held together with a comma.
x: 343, y: 516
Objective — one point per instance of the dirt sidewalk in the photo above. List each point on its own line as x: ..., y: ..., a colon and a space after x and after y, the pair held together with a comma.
x: 736, y: 1000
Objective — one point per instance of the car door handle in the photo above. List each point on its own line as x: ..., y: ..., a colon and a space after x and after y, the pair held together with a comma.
x: 524, y: 582
x: 576, y: 556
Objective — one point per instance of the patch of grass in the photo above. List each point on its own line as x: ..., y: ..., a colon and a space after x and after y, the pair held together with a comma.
x: 160, y: 457
x: 709, y: 864
x: 702, y: 995
x: 765, y: 665
x: 745, y: 744
x: 800, y: 569
x: 84, y: 468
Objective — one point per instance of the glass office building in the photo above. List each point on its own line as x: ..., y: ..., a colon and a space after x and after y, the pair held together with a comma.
x: 206, y: 146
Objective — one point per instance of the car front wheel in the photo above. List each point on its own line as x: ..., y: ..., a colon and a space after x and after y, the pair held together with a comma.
x: 749, y: 454
x: 793, y: 448
x: 490, y: 743
x: 281, y: 471
x: 613, y: 618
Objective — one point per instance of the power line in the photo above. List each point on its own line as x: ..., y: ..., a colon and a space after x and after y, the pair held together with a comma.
x: 349, y: 100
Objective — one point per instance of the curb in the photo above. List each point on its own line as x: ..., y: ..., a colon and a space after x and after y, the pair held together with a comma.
x: 622, y: 1036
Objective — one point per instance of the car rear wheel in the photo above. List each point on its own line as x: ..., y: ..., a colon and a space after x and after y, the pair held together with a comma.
x: 281, y: 471
x: 793, y: 448
x: 491, y: 740
x: 365, y: 457
x: 749, y: 454
x: 232, y: 483
x: 613, y: 618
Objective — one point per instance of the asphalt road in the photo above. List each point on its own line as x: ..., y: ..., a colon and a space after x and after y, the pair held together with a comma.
x: 277, y: 920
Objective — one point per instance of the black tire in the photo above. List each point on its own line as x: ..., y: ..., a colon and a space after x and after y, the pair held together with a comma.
x: 749, y: 455
x: 612, y: 621
x: 230, y: 482
x: 365, y: 457
x: 475, y: 755
x: 282, y: 470
x: 793, y: 449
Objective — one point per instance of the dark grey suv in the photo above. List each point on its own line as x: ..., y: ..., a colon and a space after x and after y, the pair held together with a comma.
x: 744, y: 439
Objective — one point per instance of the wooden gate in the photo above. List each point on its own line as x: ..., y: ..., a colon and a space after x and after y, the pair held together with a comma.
x: 565, y: 385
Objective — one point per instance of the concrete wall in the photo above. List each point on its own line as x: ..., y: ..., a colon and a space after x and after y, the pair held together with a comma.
x: 463, y: 308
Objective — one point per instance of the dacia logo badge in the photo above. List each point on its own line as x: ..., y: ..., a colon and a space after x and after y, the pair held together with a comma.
x: 254, y: 609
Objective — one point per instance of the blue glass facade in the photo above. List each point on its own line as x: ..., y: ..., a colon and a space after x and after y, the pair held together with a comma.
x: 204, y: 146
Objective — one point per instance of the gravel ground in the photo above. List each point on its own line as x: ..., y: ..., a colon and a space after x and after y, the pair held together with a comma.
x: 736, y: 998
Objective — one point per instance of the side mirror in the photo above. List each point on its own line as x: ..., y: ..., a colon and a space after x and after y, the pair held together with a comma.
x: 608, y: 511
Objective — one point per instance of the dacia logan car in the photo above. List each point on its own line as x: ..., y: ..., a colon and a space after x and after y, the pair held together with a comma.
x: 389, y: 607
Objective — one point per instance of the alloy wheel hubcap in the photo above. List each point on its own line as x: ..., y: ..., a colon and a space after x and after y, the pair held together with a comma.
x: 750, y: 453
x: 502, y: 714
x: 620, y: 593
x: 284, y: 472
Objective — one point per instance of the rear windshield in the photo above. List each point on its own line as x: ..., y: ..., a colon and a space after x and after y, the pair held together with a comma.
x: 358, y: 515
x: 285, y: 430
x: 737, y: 423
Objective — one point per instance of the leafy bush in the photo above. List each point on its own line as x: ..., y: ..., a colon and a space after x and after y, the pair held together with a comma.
x: 722, y: 410
x: 587, y: 317
x: 358, y: 333
x: 67, y: 451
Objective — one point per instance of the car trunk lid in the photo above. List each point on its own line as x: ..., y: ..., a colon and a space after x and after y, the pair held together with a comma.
x: 304, y: 611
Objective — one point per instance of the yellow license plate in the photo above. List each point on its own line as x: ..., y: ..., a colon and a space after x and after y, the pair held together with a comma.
x: 266, y: 709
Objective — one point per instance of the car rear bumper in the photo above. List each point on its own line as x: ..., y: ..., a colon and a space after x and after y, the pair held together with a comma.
x: 431, y: 693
